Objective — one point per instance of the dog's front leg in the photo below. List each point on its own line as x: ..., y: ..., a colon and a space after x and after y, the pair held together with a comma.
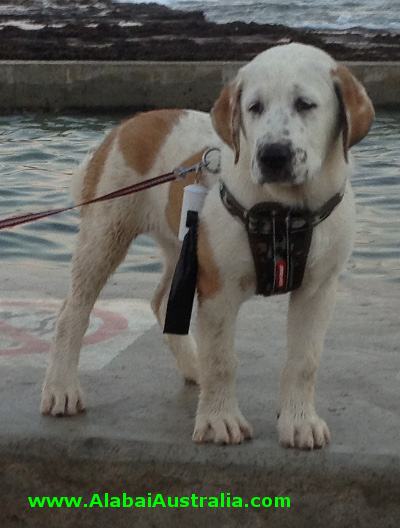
x: 309, y: 313
x: 218, y: 416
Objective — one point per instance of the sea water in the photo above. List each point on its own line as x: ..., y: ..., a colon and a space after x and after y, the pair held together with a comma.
x: 39, y: 153
x: 317, y: 14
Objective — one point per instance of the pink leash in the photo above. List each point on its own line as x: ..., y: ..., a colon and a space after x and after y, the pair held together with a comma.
x: 176, y: 174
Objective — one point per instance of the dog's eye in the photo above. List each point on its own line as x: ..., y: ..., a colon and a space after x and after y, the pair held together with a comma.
x: 304, y: 105
x: 256, y: 108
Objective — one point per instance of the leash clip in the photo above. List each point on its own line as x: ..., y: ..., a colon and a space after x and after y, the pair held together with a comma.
x: 212, y: 164
x: 179, y: 173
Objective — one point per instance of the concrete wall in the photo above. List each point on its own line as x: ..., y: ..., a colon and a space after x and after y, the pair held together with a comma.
x: 90, y: 85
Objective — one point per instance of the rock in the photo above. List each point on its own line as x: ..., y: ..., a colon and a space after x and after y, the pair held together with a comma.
x: 108, y: 30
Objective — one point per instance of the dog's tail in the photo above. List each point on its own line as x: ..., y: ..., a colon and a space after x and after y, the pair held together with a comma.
x: 78, y: 179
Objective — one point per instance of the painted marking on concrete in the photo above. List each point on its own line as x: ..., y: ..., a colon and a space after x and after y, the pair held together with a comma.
x: 22, y: 313
x: 25, y: 342
x: 27, y: 328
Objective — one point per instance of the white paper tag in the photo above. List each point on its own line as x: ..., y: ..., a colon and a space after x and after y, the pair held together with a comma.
x: 193, y: 200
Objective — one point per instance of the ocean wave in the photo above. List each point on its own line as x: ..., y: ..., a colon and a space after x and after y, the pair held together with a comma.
x: 315, y: 14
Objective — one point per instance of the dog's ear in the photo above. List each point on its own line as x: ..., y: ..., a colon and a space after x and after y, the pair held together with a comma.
x: 226, y: 118
x: 355, y: 107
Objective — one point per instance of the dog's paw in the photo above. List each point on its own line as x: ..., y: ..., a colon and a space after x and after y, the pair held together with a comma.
x: 302, y: 430
x: 62, y: 399
x: 222, y: 428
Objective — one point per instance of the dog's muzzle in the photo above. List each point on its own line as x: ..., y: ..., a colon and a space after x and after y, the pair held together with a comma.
x: 274, y: 161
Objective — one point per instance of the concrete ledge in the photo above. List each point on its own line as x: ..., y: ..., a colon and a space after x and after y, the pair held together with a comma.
x: 335, y: 490
x: 91, y: 85
x: 135, y: 436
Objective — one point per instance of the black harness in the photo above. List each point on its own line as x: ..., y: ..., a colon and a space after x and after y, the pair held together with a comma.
x: 279, y: 239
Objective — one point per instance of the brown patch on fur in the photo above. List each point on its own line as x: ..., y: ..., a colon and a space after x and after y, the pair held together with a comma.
x: 209, y: 281
x: 95, y: 167
x: 141, y: 138
x: 174, y: 205
x: 226, y: 118
x: 357, y: 111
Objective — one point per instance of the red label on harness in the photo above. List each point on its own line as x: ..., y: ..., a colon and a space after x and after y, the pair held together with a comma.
x: 280, y: 274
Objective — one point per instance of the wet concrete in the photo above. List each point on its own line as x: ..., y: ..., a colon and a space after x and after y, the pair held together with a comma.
x: 136, y: 434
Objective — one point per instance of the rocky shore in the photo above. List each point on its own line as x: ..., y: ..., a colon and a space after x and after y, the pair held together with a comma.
x: 106, y: 30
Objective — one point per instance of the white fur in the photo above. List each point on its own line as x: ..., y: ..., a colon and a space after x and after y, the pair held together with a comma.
x: 276, y: 79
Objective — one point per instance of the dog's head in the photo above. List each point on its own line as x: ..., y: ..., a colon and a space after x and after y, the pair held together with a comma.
x: 289, y: 106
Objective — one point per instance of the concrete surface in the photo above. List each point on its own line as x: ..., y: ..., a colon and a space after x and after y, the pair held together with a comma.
x: 136, y: 434
x: 92, y: 85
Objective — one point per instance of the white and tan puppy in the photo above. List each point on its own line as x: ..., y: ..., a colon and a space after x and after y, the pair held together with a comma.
x: 287, y: 122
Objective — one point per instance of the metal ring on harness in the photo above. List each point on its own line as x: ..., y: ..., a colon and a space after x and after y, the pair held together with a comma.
x: 180, y: 172
x: 208, y: 163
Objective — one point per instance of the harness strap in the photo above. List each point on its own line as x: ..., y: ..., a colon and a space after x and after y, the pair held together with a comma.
x: 300, y: 218
x: 279, y: 239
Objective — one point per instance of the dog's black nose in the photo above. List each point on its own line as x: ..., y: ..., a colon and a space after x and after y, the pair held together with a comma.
x: 274, y: 157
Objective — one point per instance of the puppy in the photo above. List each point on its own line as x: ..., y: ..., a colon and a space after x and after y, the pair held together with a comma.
x: 285, y: 126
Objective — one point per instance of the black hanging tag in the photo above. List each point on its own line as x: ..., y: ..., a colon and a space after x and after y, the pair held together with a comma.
x: 183, y: 287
